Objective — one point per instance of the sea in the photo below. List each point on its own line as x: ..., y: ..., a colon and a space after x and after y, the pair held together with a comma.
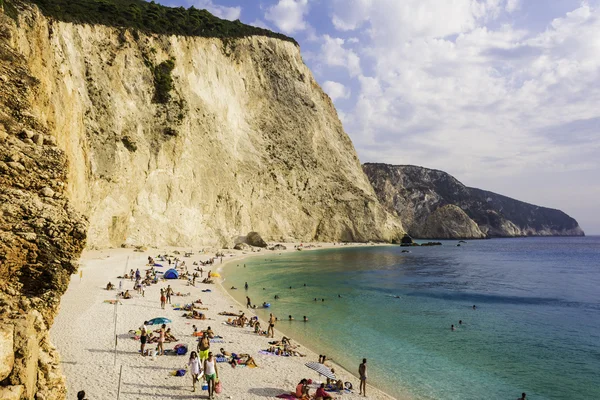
x: 535, y: 327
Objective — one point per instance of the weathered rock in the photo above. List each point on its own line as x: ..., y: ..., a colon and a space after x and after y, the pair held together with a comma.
x: 254, y: 239
x: 242, y: 246
x: 38, y: 139
x: 416, y: 194
x: 16, y: 165
x: 50, y: 140
x: 7, y: 355
x: 12, y: 392
x: 3, y: 134
x: 279, y: 247
x: 47, y: 192
x: 266, y: 153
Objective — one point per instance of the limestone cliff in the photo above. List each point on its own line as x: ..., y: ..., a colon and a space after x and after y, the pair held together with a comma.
x: 245, y: 141
x: 433, y: 204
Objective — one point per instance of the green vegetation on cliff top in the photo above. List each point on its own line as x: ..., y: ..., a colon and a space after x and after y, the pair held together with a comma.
x: 150, y: 17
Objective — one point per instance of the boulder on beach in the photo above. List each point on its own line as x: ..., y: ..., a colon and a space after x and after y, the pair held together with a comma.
x: 254, y: 239
x: 242, y: 246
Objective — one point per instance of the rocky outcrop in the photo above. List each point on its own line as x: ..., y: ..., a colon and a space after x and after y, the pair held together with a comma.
x: 433, y: 204
x: 41, y: 235
x: 449, y: 222
x: 240, y: 139
x: 254, y: 239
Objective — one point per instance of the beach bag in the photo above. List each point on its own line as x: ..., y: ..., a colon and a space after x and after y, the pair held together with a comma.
x: 218, y: 387
x: 205, y: 386
x: 180, y: 372
x: 182, y: 350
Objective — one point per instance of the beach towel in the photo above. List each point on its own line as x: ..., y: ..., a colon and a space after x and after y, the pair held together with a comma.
x: 207, y: 290
x: 221, y: 359
x: 217, y: 341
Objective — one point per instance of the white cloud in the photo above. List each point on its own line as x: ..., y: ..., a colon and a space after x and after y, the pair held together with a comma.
x: 230, y: 13
x: 513, y: 5
x: 334, y: 54
x: 288, y: 15
x: 482, y: 103
x: 336, y: 90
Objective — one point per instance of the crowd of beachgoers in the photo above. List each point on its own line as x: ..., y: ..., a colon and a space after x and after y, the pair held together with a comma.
x: 193, y: 321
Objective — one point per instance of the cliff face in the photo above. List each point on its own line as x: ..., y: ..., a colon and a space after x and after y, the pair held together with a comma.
x: 247, y: 141
x: 433, y: 204
x: 41, y: 235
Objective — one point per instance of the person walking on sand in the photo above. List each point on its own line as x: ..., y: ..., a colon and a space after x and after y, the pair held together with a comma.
x: 248, y: 302
x: 169, y: 293
x: 143, y: 337
x: 204, y: 346
x: 246, y: 285
x: 211, y: 374
x: 362, y: 373
x: 163, y: 299
x: 271, y: 327
x: 161, y: 340
x: 194, y: 365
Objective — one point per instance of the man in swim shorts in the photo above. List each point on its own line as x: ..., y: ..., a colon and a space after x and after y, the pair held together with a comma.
x: 204, y: 347
x: 362, y: 373
x: 271, y: 329
x: 143, y: 337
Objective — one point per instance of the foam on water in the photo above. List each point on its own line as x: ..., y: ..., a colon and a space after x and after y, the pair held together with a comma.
x: 536, y: 328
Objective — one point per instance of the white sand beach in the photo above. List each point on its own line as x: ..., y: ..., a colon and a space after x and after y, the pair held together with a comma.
x: 84, y: 333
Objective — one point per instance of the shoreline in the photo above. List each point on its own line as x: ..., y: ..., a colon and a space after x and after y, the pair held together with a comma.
x: 321, y: 246
x: 85, y: 327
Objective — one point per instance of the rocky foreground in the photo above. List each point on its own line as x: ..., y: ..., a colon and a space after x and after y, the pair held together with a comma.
x: 41, y: 236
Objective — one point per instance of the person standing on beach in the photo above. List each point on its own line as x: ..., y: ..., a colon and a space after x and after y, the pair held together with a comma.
x: 211, y: 373
x: 143, y: 337
x: 246, y: 286
x: 204, y: 346
x: 161, y: 340
x: 201, y: 272
x: 163, y: 299
x: 169, y: 293
x: 362, y: 373
x: 194, y: 365
x: 271, y: 325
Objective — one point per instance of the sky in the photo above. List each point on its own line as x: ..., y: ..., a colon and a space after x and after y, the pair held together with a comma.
x: 502, y: 94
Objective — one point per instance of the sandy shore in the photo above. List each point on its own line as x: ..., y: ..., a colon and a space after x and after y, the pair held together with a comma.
x: 85, y: 328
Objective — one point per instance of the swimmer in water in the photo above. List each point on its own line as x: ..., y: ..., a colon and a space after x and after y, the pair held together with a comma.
x: 305, y: 319
x: 474, y: 307
x: 452, y: 328
x: 290, y: 318
x: 460, y: 321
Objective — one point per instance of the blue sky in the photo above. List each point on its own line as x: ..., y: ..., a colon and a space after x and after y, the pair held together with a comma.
x: 502, y: 94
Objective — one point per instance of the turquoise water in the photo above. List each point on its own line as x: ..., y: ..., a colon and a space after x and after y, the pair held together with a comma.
x: 536, y: 328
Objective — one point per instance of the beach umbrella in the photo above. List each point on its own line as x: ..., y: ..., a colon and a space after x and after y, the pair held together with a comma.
x: 159, y: 321
x: 321, y: 369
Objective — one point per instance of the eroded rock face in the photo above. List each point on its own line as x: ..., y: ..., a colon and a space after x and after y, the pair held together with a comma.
x: 41, y: 236
x: 433, y: 204
x: 247, y: 142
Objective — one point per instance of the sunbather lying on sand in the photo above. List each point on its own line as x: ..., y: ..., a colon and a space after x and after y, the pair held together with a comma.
x: 229, y: 314
x: 110, y: 286
x: 194, y: 315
